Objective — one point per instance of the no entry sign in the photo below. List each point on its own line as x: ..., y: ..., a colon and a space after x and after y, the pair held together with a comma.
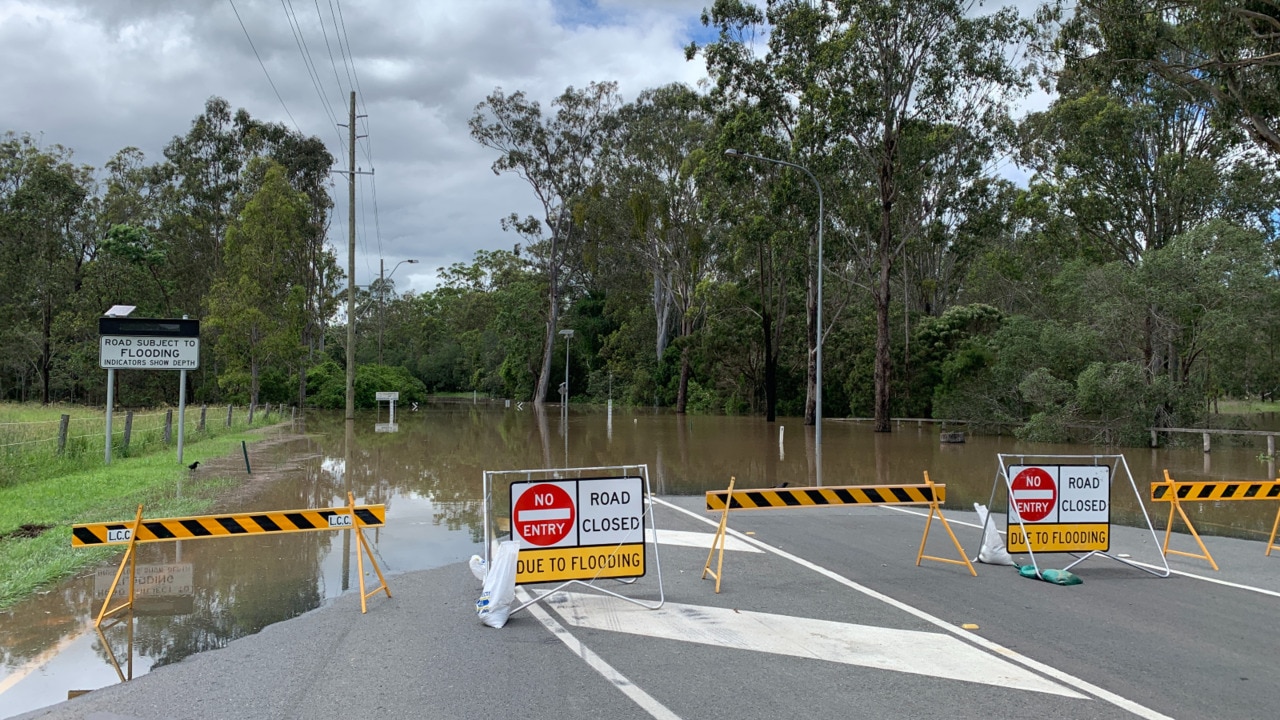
x: 578, y: 529
x: 543, y: 515
x: 1034, y: 494
x: 1065, y: 508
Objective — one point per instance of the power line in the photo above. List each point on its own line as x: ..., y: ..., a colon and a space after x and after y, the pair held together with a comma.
x: 264, y: 67
x: 344, y: 51
x: 298, y: 39
x: 368, y: 142
x: 368, y: 150
x: 332, y: 63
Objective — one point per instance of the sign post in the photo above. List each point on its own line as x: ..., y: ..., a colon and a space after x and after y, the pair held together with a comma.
x: 575, y: 526
x: 148, y: 344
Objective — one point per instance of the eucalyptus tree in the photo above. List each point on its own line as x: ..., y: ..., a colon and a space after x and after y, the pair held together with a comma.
x: 663, y: 144
x: 557, y: 155
x: 46, y: 243
x: 872, y: 83
x: 258, y: 301
x: 1225, y: 53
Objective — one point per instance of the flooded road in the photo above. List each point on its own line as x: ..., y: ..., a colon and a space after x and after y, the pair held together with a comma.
x: 198, y: 595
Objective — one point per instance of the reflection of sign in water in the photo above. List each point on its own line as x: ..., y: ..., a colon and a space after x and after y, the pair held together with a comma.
x: 386, y: 427
x: 149, y: 580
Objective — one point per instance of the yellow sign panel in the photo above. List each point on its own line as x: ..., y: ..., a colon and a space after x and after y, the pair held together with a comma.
x: 580, y: 563
x: 1061, y: 537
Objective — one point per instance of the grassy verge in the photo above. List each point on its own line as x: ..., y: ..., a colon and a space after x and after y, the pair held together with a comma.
x: 1247, y: 407
x: 99, y: 494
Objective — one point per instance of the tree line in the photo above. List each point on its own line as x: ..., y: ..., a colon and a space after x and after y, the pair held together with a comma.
x: 1129, y: 281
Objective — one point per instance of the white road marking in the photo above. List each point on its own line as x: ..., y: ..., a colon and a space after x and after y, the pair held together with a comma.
x: 910, y: 651
x: 1066, y: 678
x: 646, y: 701
x: 697, y: 539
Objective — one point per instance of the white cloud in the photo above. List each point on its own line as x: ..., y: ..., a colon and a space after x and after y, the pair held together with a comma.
x: 101, y: 75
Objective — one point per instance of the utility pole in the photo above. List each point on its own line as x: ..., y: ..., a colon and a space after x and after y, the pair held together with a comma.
x: 382, y: 288
x: 351, y: 268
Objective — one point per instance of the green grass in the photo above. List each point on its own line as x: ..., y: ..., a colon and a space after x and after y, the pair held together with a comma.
x: 1247, y: 407
x: 29, y: 437
x: 96, y: 494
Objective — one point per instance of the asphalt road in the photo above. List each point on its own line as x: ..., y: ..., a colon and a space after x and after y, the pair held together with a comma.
x: 825, y: 614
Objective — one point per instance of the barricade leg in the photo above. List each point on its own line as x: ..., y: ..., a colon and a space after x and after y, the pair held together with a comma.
x: 362, y: 549
x: 1168, y: 530
x: 718, y: 541
x: 934, y: 508
x: 1271, y: 541
x: 130, y: 558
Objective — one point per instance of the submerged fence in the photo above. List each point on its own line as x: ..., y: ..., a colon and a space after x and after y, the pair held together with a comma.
x: 31, y: 449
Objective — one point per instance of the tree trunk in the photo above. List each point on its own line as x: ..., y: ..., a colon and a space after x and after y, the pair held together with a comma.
x: 770, y: 368
x: 882, y: 296
x: 682, y: 395
x: 553, y: 317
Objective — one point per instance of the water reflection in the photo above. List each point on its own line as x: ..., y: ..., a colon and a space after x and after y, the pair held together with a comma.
x: 429, y: 474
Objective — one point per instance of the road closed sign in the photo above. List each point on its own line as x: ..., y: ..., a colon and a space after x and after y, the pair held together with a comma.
x: 1064, y: 508
x: 578, y: 529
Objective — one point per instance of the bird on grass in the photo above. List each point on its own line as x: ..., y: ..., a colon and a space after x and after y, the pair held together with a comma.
x: 194, y: 465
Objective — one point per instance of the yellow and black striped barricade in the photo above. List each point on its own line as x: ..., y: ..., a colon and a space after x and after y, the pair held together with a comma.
x: 140, y: 530
x: 927, y: 493
x: 1175, y: 493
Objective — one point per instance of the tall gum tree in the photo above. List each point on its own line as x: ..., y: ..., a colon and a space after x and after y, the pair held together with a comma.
x: 557, y: 156
x: 866, y: 79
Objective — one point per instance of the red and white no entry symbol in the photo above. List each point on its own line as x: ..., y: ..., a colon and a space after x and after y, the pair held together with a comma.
x: 543, y: 514
x: 1034, y: 494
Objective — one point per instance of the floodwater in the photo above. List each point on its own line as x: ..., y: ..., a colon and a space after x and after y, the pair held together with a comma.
x: 200, y: 595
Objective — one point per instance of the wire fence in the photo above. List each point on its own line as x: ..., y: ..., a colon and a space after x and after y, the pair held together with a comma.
x: 36, y: 449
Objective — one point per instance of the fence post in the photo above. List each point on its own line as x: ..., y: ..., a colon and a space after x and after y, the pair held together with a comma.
x: 128, y: 428
x: 229, y: 416
x: 203, y: 408
x: 252, y: 407
x: 1206, y: 442
x: 168, y: 426
x: 62, y: 434
x: 1271, y: 446
x: 1154, y: 441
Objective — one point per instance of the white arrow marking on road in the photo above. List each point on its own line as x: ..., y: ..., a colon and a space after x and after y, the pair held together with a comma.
x: 909, y: 651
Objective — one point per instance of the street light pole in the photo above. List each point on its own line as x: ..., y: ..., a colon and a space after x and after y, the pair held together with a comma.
x: 382, y: 297
x: 817, y: 395
x: 567, y: 333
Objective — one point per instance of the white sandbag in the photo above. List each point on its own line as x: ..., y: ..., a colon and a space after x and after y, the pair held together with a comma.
x: 993, y: 551
x: 494, y: 605
x: 478, y: 567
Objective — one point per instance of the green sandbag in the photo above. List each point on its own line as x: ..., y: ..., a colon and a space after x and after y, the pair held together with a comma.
x: 1057, y: 577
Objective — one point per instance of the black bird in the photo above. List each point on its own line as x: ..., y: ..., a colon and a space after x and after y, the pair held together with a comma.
x: 194, y: 465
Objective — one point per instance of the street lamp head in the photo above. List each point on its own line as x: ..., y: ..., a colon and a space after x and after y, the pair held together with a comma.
x: 731, y: 152
x: 567, y: 332
x: 411, y: 261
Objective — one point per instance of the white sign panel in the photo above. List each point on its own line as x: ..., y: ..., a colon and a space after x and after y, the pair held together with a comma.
x: 122, y: 352
x: 578, y: 529
x: 384, y: 396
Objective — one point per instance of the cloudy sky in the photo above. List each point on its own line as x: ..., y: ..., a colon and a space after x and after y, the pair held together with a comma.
x: 100, y: 75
